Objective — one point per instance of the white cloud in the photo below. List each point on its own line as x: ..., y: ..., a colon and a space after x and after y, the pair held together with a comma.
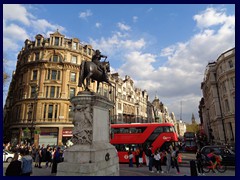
x: 123, y: 27
x: 16, y: 12
x: 149, y: 10
x: 210, y: 17
x: 117, y: 43
x: 98, y: 25
x: 84, y: 15
x: 135, y: 18
x: 42, y: 26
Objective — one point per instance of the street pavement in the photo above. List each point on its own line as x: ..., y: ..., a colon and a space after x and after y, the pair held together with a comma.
x: 125, y: 170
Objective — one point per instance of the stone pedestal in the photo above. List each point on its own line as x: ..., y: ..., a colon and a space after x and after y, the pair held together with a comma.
x: 91, y: 154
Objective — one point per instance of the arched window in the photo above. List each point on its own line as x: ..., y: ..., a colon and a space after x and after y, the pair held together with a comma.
x: 55, y: 58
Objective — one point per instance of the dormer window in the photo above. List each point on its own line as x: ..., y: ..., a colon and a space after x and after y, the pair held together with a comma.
x: 75, y: 45
x: 37, y: 56
x: 56, y: 43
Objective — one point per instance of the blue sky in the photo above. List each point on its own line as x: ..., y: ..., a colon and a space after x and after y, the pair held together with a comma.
x: 164, y: 48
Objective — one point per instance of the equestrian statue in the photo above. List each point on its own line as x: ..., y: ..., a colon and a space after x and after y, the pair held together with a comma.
x: 95, y: 70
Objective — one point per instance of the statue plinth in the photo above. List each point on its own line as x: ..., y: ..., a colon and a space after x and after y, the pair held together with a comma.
x: 91, y: 154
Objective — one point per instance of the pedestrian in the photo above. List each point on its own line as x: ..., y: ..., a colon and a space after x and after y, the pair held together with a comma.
x: 175, y: 159
x: 130, y: 157
x: 168, y: 160
x: 15, y: 167
x: 150, y: 155
x: 48, y: 156
x: 26, y: 163
x: 56, y: 160
x: 146, y: 156
x: 172, y: 154
x: 141, y: 157
x: 42, y: 155
x: 37, y: 156
x: 157, y: 161
x: 199, y: 158
x: 137, y: 152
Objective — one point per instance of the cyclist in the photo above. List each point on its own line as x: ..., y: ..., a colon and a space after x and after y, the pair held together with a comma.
x: 212, y: 159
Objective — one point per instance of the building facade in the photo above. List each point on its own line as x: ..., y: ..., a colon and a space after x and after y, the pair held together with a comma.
x: 38, y: 103
x: 217, y: 106
x: 131, y: 105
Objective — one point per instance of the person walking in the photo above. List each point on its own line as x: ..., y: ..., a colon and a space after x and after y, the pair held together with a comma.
x: 36, y: 160
x: 26, y: 163
x: 15, y: 167
x: 141, y: 157
x: 175, y: 159
x: 137, y: 152
x: 56, y: 160
x: 48, y: 156
x: 150, y: 155
x: 157, y: 161
x: 168, y: 160
x: 146, y: 157
x: 199, y: 158
x: 130, y: 157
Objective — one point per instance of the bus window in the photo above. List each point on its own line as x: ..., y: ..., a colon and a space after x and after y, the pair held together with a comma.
x: 166, y: 129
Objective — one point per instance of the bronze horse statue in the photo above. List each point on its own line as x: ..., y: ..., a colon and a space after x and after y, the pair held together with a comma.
x: 89, y: 70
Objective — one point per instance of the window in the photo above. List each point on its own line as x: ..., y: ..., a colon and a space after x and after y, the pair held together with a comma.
x: 50, y: 111
x: 57, y: 94
x: 56, y: 43
x: 52, y: 91
x: 34, y: 77
x: 38, y: 42
x: 89, y: 51
x: 47, y: 92
x: 74, y: 59
x: 56, y: 110
x: 73, y: 77
x: 33, y: 91
x: 119, y: 106
x: 232, y: 82
x: 230, y: 63
x: 55, y: 58
x: 227, y: 108
x: 70, y: 112
x: 53, y: 74
x: 37, y: 56
x: 224, y: 87
x: 72, y: 92
x: 75, y: 45
x: 44, y: 112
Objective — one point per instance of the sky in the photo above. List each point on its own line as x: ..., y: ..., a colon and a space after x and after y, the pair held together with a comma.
x: 164, y: 48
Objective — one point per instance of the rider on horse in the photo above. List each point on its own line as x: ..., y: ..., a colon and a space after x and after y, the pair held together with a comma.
x: 96, y: 59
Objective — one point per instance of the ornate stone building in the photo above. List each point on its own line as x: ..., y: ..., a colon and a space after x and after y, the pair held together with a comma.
x: 217, y: 107
x: 37, y: 106
x: 131, y: 104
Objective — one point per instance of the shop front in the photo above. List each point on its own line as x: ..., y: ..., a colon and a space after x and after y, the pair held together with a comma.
x: 66, y: 135
x: 48, y: 136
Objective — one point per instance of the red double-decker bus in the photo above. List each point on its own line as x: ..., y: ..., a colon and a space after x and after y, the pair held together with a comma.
x: 190, y: 141
x: 127, y: 137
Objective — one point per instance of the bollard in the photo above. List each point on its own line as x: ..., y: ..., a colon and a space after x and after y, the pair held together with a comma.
x: 193, y: 168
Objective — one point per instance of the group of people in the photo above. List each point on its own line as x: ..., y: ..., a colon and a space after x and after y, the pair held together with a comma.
x: 30, y: 154
x: 155, y: 158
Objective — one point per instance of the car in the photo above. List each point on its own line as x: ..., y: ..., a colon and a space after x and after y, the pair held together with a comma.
x: 228, y: 156
x: 7, y: 156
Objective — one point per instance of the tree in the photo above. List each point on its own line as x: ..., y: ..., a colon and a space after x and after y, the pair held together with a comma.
x: 5, y: 74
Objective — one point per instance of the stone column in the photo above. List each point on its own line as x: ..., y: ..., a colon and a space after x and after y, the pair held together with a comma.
x: 91, y: 154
